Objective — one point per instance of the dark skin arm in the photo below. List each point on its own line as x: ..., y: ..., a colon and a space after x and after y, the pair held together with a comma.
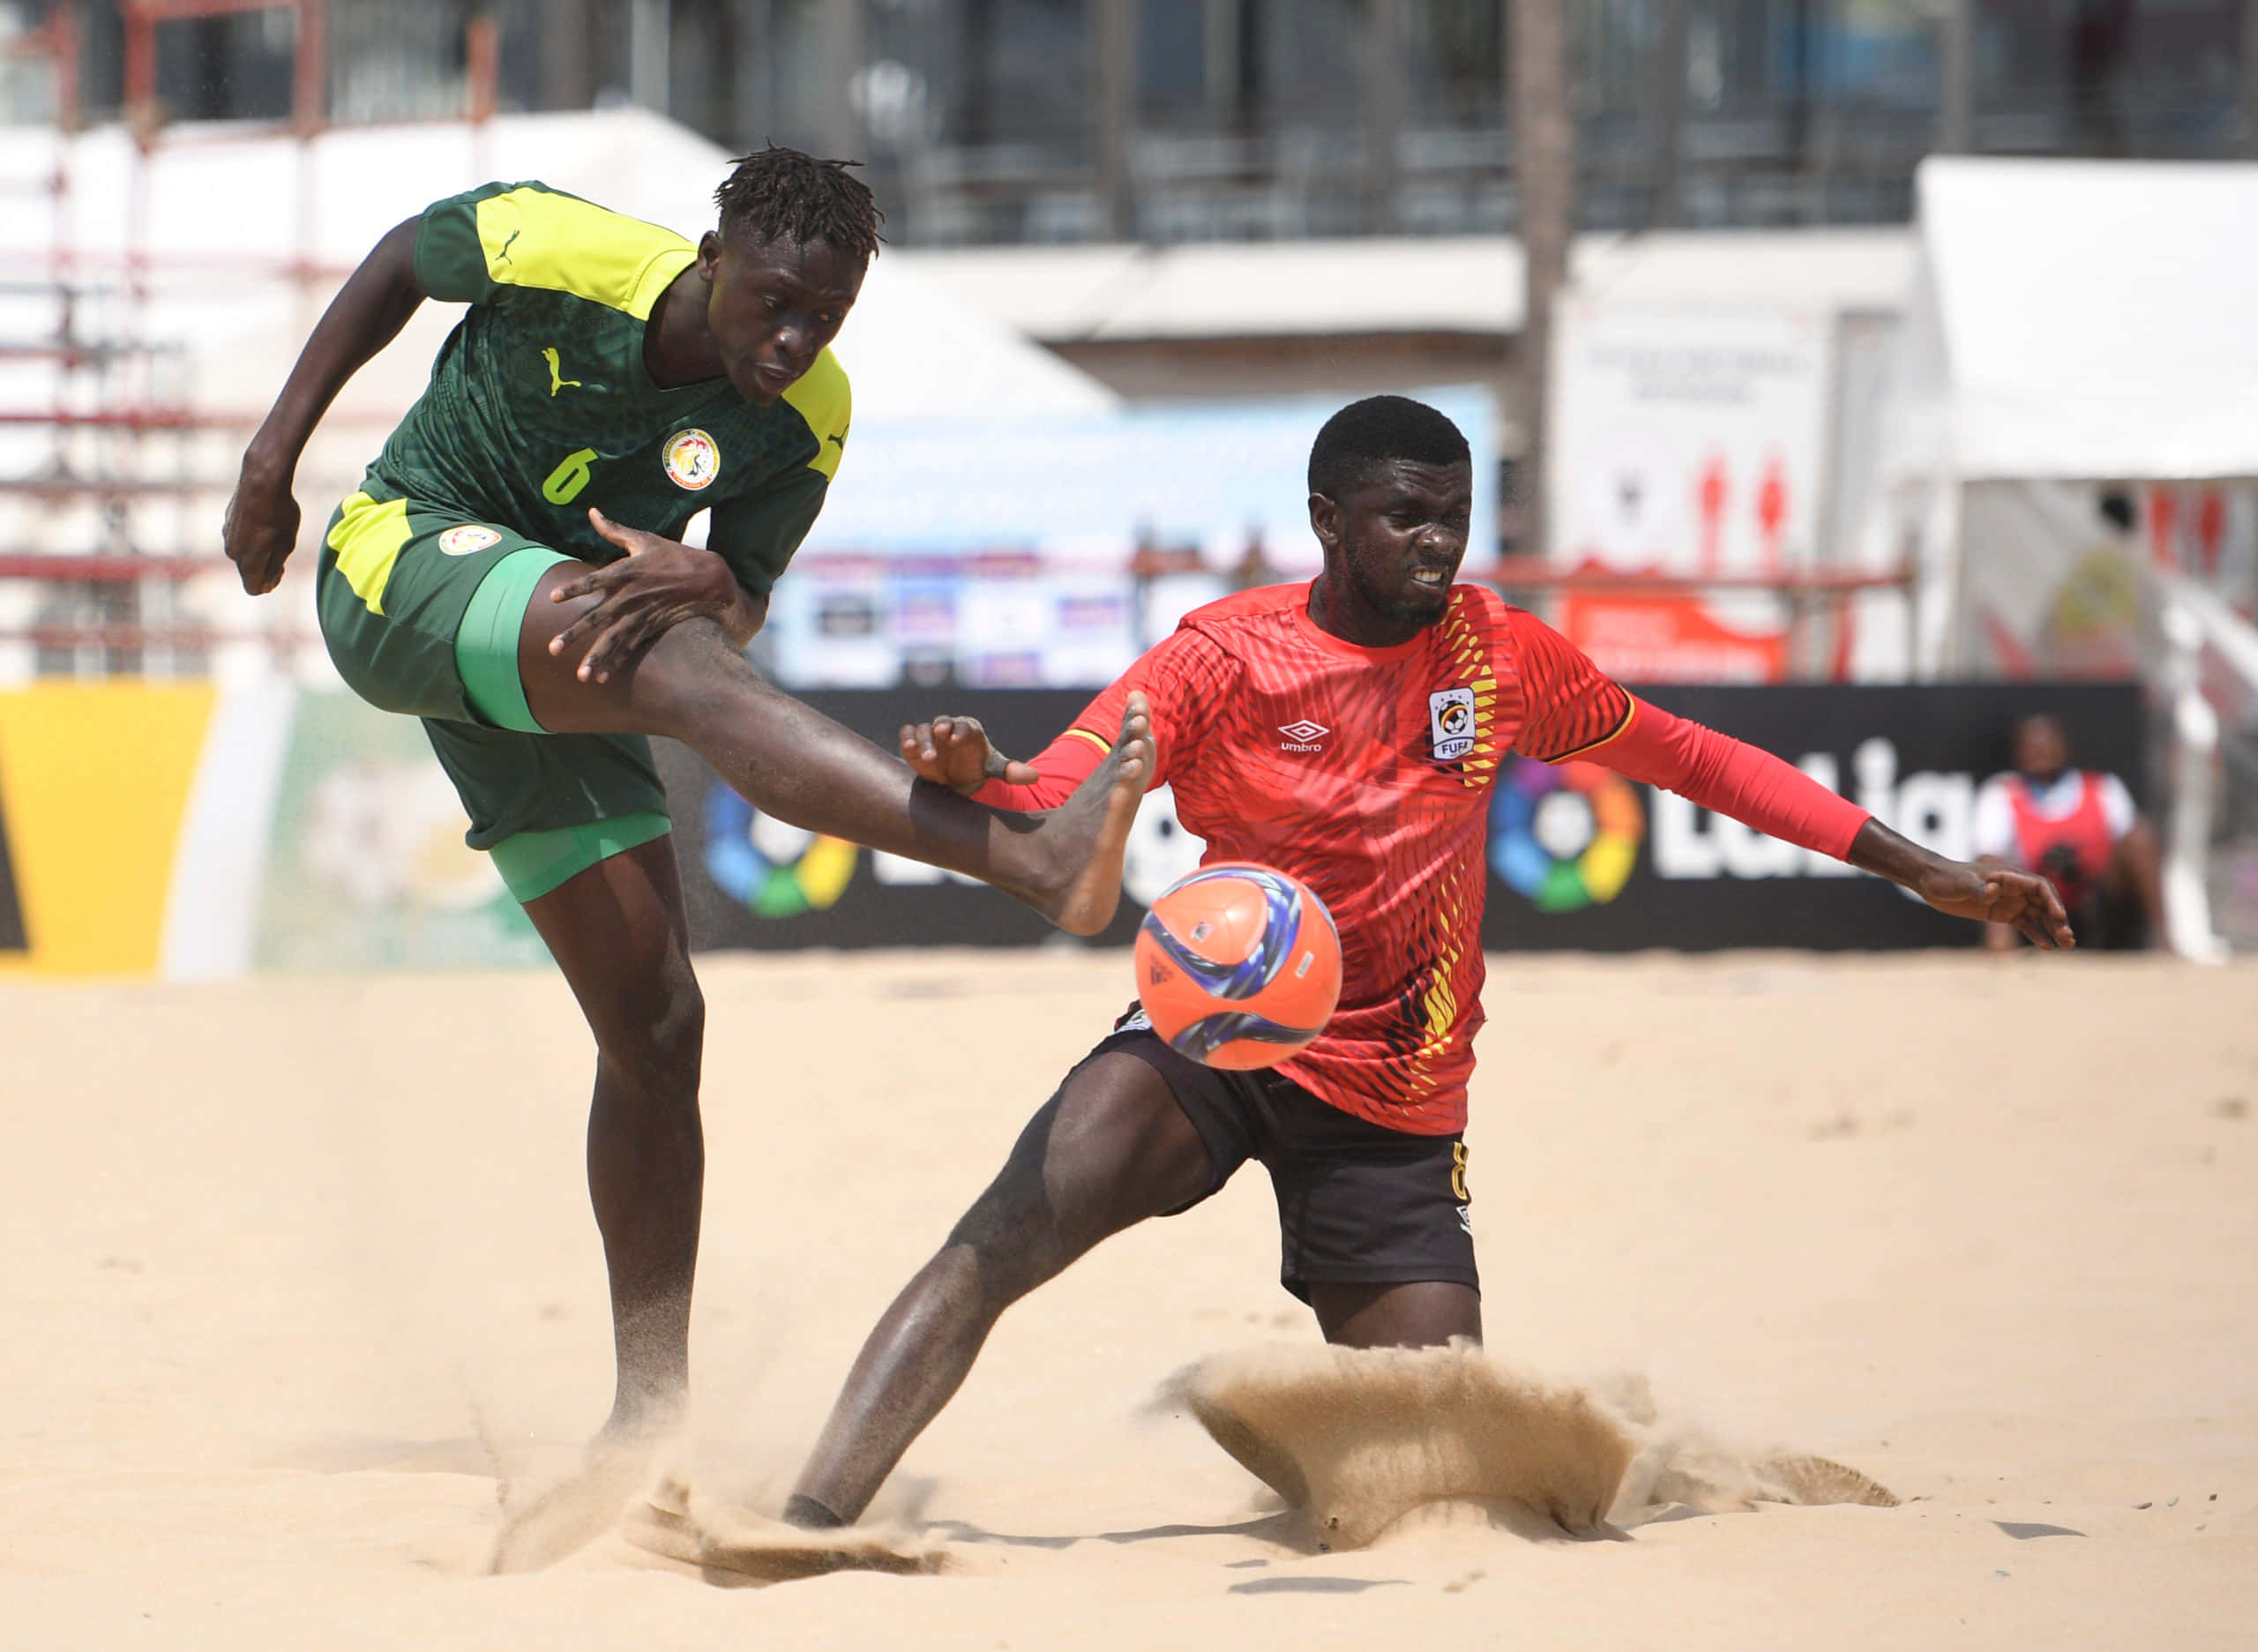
x: 657, y: 585
x: 1993, y: 894
x: 367, y: 314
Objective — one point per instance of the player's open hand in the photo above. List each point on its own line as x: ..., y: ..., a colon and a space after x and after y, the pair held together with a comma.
x: 1999, y: 894
x: 954, y: 752
x: 657, y: 585
x: 261, y: 529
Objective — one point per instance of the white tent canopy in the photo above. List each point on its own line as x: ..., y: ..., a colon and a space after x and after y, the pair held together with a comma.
x: 2090, y: 320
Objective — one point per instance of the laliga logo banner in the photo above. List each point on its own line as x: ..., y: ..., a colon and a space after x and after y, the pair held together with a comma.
x: 1587, y: 860
x: 777, y: 871
x: 1564, y: 836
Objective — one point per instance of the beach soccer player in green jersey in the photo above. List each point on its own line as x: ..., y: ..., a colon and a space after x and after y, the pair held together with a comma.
x: 511, y: 572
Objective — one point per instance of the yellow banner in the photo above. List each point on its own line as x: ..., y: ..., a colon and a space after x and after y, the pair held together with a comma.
x: 94, y: 782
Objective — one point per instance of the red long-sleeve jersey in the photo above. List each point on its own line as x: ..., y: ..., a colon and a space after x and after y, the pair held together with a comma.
x: 1367, y: 772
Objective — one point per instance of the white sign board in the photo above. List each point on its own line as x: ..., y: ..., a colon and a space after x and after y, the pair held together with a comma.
x: 1688, y: 441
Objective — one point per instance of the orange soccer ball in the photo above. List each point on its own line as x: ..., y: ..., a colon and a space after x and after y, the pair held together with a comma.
x: 1239, y: 965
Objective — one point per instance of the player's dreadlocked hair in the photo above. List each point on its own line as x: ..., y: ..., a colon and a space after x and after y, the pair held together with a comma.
x: 776, y: 192
x: 1375, y: 430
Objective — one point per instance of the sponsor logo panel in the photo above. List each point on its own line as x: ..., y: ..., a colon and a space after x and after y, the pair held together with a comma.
x: 97, y: 779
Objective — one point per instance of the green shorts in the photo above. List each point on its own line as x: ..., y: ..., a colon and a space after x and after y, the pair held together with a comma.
x: 421, y: 609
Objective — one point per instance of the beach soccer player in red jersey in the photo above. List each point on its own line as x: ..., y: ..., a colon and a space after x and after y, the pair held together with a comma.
x: 1347, y: 731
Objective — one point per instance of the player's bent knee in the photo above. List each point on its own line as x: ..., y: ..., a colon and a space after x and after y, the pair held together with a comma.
x: 655, y: 1045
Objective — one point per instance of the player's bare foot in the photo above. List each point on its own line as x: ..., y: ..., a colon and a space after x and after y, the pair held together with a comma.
x: 1077, y: 881
x: 570, y: 1514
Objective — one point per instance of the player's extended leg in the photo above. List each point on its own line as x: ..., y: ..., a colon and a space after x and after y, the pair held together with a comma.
x: 1427, y: 1314
x: 1109, y: 1149
x: 800, y: 766
x: 618, y: 932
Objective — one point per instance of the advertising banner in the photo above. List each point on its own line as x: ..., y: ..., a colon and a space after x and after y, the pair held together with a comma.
x: 1579, y: 857
x: 11, y: 906
x: 191, y: 833
x: 1048, y: 553
x: 365, y: 866
x: 95, y: 784
x: 1624, y: 867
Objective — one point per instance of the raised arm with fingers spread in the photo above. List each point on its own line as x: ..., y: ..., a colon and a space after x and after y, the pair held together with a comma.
x: 367, y: 314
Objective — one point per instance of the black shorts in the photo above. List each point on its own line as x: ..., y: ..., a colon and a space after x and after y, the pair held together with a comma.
x: 1358, y: 1203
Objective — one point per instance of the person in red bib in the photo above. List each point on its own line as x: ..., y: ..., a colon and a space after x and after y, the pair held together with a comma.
x: 1303, y: 726
x: 2078, y: 829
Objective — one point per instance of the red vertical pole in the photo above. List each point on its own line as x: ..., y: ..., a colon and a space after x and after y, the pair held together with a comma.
x: 482, y: 56
x: 63, y: 25
x: 309, y: 73
x: 140, y: 69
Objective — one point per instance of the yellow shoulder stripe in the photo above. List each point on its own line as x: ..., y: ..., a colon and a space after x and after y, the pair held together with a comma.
x: 368, y: 540
x: 1104, y: 748
x: 821, y: 396
x: 1630, y: 716
x: 533, y: 238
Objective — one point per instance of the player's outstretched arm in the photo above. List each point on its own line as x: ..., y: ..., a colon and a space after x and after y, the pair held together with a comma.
x: 1759, y: 790
x: 367, y: 314
x: 1994, y: 894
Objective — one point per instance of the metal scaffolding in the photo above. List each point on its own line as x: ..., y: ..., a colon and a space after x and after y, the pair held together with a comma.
x: 115, y: 508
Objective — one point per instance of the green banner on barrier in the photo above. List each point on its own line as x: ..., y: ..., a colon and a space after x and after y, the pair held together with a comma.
x: 366, y: 868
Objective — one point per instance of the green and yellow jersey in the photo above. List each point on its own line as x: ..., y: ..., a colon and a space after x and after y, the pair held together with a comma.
x: 539, y: 404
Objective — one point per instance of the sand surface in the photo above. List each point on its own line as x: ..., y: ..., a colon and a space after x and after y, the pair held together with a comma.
x: 298, y: 1272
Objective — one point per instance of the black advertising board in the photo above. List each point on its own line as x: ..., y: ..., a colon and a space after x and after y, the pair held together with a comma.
x: 749, y: 882
x: 1579, y: 858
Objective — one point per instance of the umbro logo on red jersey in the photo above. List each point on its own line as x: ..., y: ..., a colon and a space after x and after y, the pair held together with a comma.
x: 1302, y: 734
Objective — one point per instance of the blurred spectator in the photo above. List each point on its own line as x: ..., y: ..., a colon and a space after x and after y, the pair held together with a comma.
x: 1255, y: 567
x: 1166, y: 582
x: 2080, y: 829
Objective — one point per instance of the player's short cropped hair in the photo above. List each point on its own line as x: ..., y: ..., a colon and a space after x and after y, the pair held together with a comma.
x: 1372, y: 433
x: 781, y: 194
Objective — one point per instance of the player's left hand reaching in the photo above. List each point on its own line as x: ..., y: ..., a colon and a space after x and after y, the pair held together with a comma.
x: 656, y: 586
x: 954, y: 752
x: 1999, y: 894
x: 1991, y: 894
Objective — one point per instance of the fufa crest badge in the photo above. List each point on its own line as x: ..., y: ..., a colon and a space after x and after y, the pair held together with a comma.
x: 461, y: 541
x: 1450, y: 722
x: 693, y: 460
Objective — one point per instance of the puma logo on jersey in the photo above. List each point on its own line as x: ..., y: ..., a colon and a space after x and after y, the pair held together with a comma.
x: 837, y: 440
x: 502, y: 255
x: 557, y: 379
x: 1302, y: 734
